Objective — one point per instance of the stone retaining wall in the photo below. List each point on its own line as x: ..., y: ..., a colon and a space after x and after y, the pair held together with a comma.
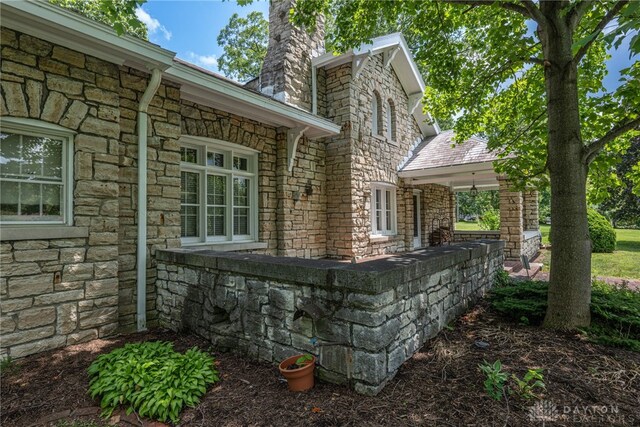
x: 361, y: 320
x: 471, y: 235
x: 531, y: 245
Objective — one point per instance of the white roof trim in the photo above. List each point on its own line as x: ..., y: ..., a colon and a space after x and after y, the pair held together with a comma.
x: 206, y: 89
x: 403, y: 64
x: 74, y: 31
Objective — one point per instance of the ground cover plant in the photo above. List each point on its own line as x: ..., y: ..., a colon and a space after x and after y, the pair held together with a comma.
x: 440, y: 386
x: 151, y: 378
x: 615, y: 311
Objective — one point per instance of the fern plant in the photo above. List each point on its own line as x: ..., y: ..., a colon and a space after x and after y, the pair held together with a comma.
x: 151, y: 378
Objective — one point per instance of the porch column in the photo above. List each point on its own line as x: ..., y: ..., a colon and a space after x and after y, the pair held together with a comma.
x: 511, y: 222
x: 530, y: 210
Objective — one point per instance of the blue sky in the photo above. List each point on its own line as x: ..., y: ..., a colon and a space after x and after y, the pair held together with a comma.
x: 190, y: 28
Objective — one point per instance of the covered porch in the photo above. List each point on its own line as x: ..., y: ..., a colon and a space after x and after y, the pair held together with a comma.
x: 468, y: 167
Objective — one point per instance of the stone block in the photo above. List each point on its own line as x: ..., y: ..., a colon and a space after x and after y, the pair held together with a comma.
x: 14, y: 98
x: 282, y: 298
x: 370, y: 367
x: 98, y: 317
x: 377, y: 338
x: 64, y: 85
x: 67, y: 318
x: 17, y: 304
x: 37, y: 255
x: 74, y: 115
x: 7, y: 325
x: 59, y: 297
x: 19, y: 269
x: 101, y: 288
x: 82, y: 336
x: 20, y: 337
x: 71, y: 57
x: 31, y: 285
x: 37, y: 346
x: 76, y: 272
x: 35, y: 317
x: 54, y: 107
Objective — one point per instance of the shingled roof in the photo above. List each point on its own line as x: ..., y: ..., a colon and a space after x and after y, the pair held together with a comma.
x: 441, y: 151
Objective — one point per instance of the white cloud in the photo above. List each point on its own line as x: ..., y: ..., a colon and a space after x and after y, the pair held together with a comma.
x: 153, y: 25
x: 205, y: 61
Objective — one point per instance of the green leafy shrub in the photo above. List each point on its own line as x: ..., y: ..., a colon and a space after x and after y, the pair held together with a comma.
x: 526, y: 387
x: 615, y: 311
x: 151, y: 378
x: 601, y: 232
x: 501, y: 279
x: 489, y: 220
x: 495, y: 378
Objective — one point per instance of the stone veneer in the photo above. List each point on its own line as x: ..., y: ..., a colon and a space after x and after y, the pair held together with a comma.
x: 362, y: 320
x: 471, y: 235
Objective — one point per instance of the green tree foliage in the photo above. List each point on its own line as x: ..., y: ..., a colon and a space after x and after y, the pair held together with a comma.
x: 244, y: 41
x: 603, y: 236
x: 476, y: 206
x: 622, y: 204
x: 120, y: 14
x: 527, y: 75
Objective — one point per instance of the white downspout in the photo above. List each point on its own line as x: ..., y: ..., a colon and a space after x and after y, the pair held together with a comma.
x: 141, y: 303
x: 314, y: 89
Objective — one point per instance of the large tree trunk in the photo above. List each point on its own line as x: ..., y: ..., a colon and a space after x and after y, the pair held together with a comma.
x: 570, y: 280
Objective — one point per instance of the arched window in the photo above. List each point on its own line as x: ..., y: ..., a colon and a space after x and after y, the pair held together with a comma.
x: 376, y: 114
x: 391, y: 120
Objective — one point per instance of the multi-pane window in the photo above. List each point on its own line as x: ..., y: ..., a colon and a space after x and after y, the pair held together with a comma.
x: 376, y: 114
x: 219, y: 192
x: 383, y: 209
x: 35, y: 173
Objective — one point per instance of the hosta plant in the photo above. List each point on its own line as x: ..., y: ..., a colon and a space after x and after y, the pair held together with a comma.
x: 151, y: 378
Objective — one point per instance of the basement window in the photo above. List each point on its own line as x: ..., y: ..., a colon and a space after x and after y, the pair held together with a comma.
x: 219, y: 192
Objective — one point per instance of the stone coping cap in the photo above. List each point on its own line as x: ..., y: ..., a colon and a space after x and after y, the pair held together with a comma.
x: 370, y: 276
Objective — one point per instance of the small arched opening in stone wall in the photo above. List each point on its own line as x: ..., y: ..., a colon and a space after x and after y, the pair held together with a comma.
x: 391, y: 120
x: 376, y: 114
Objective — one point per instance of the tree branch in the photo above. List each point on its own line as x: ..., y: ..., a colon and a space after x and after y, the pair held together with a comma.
x: 534, y: 12
x: 509, y: 6
x: 608, y: 17
x: 591, y: 151
x: 577, y: 12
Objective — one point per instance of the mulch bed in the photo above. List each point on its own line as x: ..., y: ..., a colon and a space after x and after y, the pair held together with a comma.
x: 441, y: 385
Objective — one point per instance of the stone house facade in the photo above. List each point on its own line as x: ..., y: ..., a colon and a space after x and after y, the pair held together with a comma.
x: 113, y: 149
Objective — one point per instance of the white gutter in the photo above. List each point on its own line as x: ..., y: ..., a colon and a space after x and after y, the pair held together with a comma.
x: 141, y: 294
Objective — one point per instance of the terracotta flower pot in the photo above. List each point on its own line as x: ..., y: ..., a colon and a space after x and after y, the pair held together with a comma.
x: 300, y: 379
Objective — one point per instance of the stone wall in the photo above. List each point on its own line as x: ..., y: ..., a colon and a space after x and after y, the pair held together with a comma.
x: 361, y: 320
x: 511, y: 220
x: 531, y: 244
x: 163, y: 185
x: 530, y: 219
x: 438, y: 209
x: 62, y: 288
x: 286, y: 71
x: 471, y: 235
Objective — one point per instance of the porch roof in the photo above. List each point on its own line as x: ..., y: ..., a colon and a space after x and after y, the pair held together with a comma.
x: 439, y: 160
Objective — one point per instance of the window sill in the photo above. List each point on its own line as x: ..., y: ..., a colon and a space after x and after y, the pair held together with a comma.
x: 227, y: 246
x: 381, y: 238
x: 43, y: 232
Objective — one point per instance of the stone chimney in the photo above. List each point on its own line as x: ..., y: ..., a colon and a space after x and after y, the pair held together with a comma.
x: 286, y: 71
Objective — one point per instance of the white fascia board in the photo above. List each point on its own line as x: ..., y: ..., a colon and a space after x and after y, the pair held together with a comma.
x: 208, y: 90
x: 74, y: 31
x: 447, y: 170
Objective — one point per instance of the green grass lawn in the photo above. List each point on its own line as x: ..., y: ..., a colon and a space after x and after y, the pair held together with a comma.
x: 623, y: 262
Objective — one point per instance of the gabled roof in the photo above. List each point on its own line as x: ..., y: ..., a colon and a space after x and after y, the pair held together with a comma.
x: 64, y: 27
x: 397, y: 53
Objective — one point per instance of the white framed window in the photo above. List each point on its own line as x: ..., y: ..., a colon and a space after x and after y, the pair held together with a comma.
x: 219, y: 191
x: 36, y: 173
x: 383, y: 210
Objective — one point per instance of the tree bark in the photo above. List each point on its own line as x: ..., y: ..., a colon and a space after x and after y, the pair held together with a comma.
x: 570, y: 280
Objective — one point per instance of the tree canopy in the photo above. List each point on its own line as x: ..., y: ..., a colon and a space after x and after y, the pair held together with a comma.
x: 527, y: 75
x: 120, y: 14
x: 244, y: 41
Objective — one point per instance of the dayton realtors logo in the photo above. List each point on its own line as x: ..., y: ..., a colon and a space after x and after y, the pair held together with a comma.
x: 546, y: 411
